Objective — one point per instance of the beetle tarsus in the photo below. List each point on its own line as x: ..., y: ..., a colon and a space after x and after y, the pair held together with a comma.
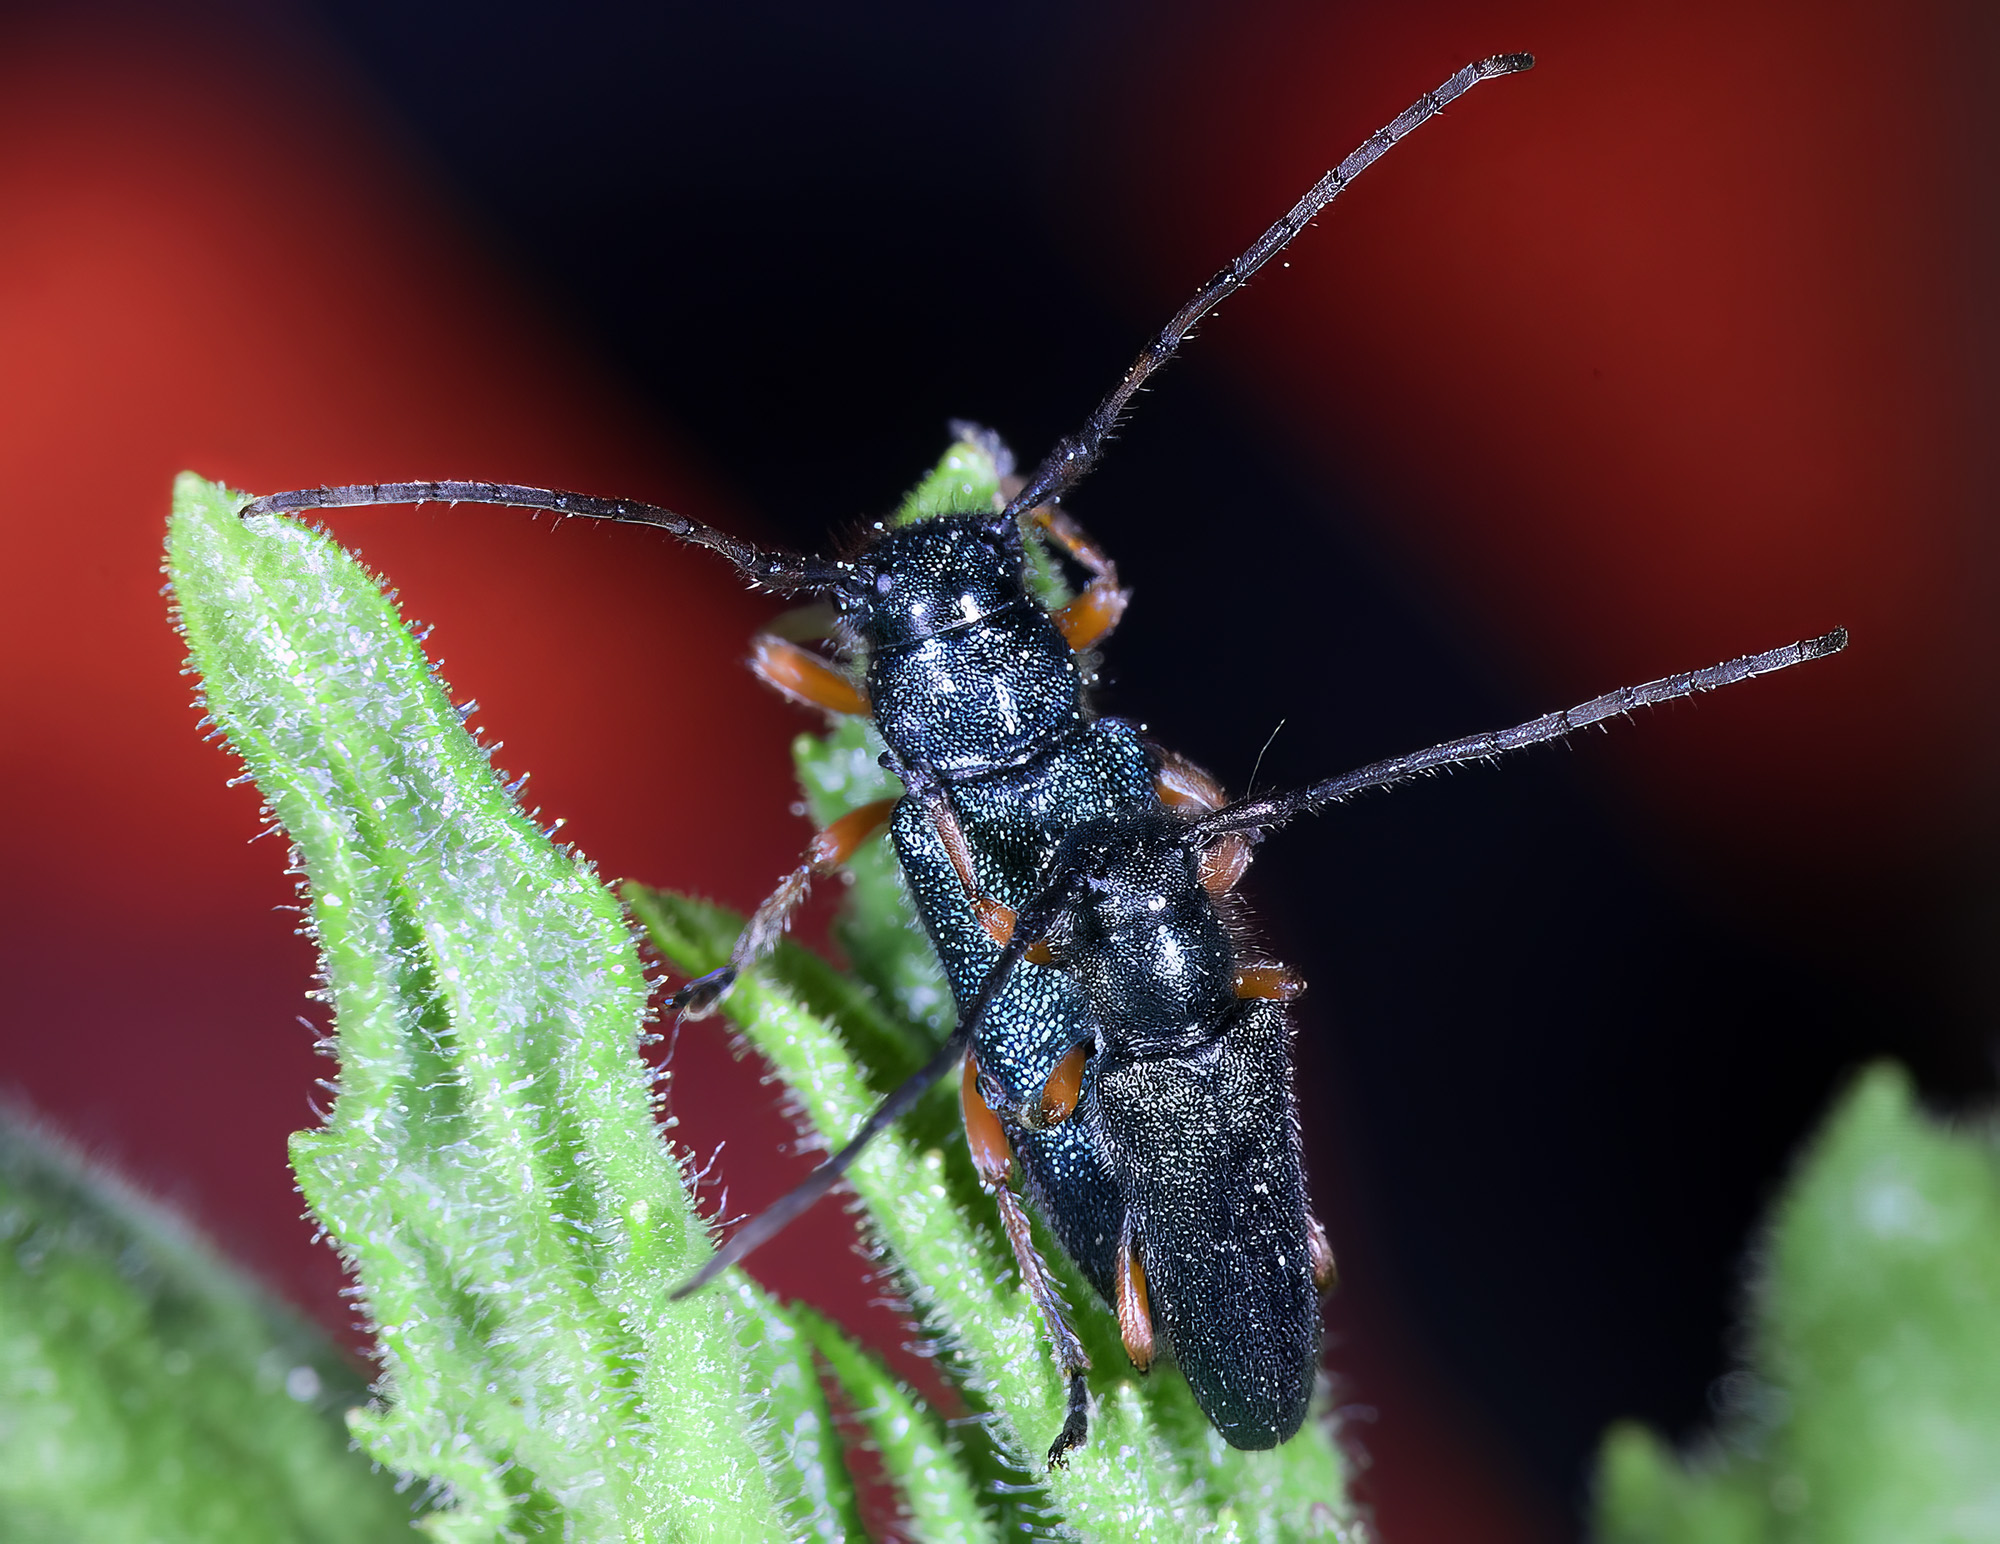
x: 1076, y: 1425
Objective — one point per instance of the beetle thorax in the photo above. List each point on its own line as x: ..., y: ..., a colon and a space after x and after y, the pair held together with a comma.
x: 1145, y: 940
x: 966, y: 670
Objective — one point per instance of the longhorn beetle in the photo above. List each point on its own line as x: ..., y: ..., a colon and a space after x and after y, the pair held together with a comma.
x: 1186, y: 1100
x: 1074, y: 880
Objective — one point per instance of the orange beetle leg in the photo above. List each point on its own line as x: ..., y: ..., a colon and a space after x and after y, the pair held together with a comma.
x: 1223, y: 863
x: 1087, y: 621
x: 992, y: 1153
x: 1269, y: 983
x: 841, y: 840
x: 1324, y: 1274
x: 1065, y: 1084
x: 804, y: 677
x: 1185, y: 788
x: 1135, y: 1313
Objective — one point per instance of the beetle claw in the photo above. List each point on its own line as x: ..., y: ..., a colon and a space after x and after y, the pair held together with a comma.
x: 1076, y: 1426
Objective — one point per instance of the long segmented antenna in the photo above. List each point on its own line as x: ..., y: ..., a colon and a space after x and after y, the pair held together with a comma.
x: 773, y: 568
x: 1269, y: 813
x: 1029, y: 926
x: 1073, y: 457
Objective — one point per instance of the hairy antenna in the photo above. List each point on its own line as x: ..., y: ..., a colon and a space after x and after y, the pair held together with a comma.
x: 774, y: 569
x: 1267, y: 814
x: 1073, y: 457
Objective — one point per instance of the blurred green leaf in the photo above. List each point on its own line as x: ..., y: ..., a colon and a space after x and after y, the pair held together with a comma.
x: 940, y: 1505
x: 149, y: 1392
x: 1869, y: 1411
x: 797, y: 1422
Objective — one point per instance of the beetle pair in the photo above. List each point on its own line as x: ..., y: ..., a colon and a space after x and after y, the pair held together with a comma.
x: 1076, y: 884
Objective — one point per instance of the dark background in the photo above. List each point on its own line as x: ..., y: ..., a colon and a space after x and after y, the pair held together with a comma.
x: 1677, y: 348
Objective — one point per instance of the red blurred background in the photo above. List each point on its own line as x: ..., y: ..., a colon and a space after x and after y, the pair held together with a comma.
x: 1679, y: 347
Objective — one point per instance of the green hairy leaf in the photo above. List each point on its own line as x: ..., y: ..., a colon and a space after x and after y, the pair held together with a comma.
x: 1869, y: 1409
x: 490, y: 1168
x: 819, y: 1501
x: 149, y: 1392
x: 493, y: 1172
x: 940, y: 1505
